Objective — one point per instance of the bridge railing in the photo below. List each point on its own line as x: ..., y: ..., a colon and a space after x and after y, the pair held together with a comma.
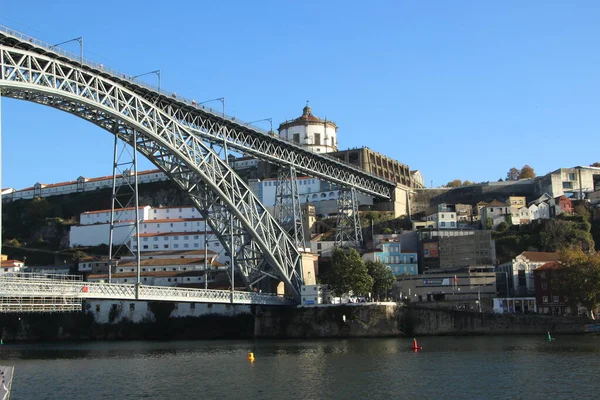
x: 101, y: 67
x: 29, y: 285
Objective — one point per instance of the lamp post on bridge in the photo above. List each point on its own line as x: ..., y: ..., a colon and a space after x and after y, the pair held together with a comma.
x: 264, y: 119
x: 157, y: 72
x: 78, y: 39
x: 231, y: 243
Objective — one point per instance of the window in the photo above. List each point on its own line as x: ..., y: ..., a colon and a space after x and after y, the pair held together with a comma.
x: 155, y: 239
x: 186, y: 238
x: 571, y: 177
x: 544, y: 286
x: 567, y: 185
x: 443, y: 224
x: 145, y: 239
x: 452, y: 223
x: 544, y: 299
x: 317, y: 138
x: 196, y: 245
x: 175, y: 246
x: 166, y: 238
x: 175, y: 237
x: 155, y: 246
x: 131, y: 306
x: 555, y: 299
x: 196, y: 237
x: 192, y: 305
x: 186, y: 245
x: 296, y: 138
x: 166, y: 246
x: 145, y: 247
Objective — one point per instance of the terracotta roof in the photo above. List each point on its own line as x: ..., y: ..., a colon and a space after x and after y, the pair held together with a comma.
x: 159, y: 262
x: 173, y: 234
x: 150, y: 221
x: 176, y: 252
x: 119, y: 209
x: 540, y: 256
x: 12, y: 263
x: 549, y: 266
x: 307, y: 117
x: 496, y: 203
x: 155, y: 274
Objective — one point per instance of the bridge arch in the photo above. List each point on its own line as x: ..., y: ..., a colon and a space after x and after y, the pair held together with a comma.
x: 261, y: 247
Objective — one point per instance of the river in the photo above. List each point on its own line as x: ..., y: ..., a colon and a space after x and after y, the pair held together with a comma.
x: 508, y: 367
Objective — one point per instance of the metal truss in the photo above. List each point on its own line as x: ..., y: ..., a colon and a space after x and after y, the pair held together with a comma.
x: 124, y: 196
x: 72, y: 291
x: 287, y: 204
x: 348, y: 231
x: 262, y: 248
x: 217, y: 128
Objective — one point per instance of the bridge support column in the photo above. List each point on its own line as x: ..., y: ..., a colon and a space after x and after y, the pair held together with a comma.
x: 348, y: 230
x: 124, y: 196
x: 287, y: 204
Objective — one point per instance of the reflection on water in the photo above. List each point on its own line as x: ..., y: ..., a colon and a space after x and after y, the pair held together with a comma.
x: 447, y: 368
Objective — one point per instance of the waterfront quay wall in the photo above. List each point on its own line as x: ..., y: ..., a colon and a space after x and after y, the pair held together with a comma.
x: 340, y: 321
x: 388, y: 320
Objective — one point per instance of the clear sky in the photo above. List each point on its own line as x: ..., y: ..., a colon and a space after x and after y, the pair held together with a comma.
x: 456, y: 89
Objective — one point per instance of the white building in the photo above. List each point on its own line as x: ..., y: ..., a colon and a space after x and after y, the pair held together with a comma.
x: 323, y: 195
x: 569, y: 181
x: 81, y: 184
x: 442, y: 216
x: 9, y: 266
x: 161, y: 229
x: 519, y: 271
x: 139, y: 311
x: 308, y: 131
x: 497, y: 212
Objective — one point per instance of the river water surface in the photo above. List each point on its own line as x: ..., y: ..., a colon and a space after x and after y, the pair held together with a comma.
x: 509, y: 367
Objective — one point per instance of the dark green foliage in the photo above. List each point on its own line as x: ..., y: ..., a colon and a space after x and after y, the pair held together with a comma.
x: 349, y: 274
x: 558, y: 234
x: 502, y: 227
x: 383, y: 278
x: 578, y: 278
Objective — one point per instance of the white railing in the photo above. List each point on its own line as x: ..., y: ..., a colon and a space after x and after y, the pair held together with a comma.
x: 29, y: 286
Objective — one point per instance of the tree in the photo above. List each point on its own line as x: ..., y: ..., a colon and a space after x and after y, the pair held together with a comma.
x: 512, y: 174
x: 502, y: 227
x: 454, y: 183
x: 557, y: 235
x: 583, y: 210
x: 383, y: 278
x: 348, y: 274
x: 578, y: 278
x: 467, y: 183
x: 596, y: 164
x: 526, y: 173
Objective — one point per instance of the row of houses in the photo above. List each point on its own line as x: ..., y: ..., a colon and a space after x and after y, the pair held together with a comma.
x: 514, y: 211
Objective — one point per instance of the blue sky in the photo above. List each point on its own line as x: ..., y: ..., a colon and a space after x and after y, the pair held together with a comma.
x: 458, y: 90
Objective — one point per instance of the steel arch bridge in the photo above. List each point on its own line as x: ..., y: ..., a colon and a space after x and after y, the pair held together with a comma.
x: 178, y: 137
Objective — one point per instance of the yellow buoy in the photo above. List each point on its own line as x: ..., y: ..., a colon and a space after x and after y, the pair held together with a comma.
x: 250, y: 356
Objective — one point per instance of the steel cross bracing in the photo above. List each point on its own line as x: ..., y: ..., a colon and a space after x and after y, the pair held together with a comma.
x: 217, y: 128
x: 263, y: 247
x: 35, y: 287
x: 348, y: 230
x: 287, y: 204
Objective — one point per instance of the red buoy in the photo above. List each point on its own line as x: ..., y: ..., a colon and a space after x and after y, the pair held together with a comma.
x: 416, y: 346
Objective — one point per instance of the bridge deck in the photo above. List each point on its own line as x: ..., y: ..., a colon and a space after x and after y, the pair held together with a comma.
x: 66, y: 291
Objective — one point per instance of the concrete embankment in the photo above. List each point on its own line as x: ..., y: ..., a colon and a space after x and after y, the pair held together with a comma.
x: 381, y: 320
x: 343, y: 321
